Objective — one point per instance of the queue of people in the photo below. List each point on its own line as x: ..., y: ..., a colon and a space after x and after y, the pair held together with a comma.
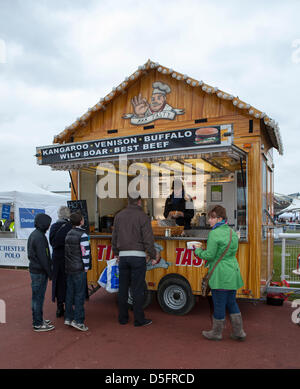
x: 133, y: 245
x: 71, y: 263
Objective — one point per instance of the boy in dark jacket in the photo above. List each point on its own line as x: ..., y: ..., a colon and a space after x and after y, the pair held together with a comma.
x: 77, y: 263
x: 40, y: 268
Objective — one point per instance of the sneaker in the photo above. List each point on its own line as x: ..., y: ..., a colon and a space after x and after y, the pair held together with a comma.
x: 67, y: 322
x: 47, y: 322
x: 79, y: 326
x: 146, y: 323
x: 43, y: 327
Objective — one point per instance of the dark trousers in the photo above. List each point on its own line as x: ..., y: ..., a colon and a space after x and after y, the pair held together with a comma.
x: 38, y: 286
x: 75, y: 295
x: 59, y: 281
x: 132, y: 273
x: 223, y: 299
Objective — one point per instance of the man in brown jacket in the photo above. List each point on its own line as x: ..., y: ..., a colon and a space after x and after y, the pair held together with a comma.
x: 132, y: 242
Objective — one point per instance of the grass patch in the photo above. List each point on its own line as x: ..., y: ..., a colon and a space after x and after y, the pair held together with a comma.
x: 277, y: 269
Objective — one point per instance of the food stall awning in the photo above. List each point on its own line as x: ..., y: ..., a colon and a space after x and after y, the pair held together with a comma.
x: 208, y: 154
x: 169, y: 145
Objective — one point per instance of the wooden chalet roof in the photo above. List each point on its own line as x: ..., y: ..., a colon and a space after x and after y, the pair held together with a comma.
x: 271, y: 126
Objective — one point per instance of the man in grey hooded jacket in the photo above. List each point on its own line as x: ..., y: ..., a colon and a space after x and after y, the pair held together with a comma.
x: 40, y: 268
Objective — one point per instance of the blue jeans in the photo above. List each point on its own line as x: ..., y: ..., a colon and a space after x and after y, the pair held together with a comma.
x: 223, y: 299
x: 75, y: 295
x: 38, y: 286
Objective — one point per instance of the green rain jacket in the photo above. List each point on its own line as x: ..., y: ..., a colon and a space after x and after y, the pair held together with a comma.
x: 227, y: 273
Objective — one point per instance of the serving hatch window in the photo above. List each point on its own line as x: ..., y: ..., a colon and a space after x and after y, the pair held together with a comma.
x: 209, y: 179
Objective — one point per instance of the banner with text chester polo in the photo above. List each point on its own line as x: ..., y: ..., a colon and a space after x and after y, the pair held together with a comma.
x: 13, y: 252
x: 135, y: 144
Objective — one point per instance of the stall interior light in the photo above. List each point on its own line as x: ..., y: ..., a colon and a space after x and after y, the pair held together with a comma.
x: 162, y: 169
x: 207, y: 167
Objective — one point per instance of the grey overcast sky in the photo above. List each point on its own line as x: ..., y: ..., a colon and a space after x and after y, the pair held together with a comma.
x: 59, y: 57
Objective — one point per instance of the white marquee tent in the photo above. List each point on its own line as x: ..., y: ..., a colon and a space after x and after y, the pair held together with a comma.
x: 292, y: 211
x: 286, y: 215
x: 23, y: 194
x: 293, y: 207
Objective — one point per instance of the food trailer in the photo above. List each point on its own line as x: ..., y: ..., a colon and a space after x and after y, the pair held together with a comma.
x: 156, y: 125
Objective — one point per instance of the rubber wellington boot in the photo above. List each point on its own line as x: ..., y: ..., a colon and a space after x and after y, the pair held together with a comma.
x: 237, y: 327
x: 216, y: 332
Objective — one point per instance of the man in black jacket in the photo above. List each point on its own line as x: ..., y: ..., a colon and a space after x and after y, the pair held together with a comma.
x: 40, y: 268
x: 57, y: 235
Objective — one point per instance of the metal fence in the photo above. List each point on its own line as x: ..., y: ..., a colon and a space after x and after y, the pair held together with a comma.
x: 289, y: 256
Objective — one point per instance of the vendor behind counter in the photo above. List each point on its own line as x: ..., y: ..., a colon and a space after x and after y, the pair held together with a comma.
x: 178, y: 206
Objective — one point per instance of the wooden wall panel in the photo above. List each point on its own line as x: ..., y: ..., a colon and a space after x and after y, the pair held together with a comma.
x: 211, y: 106
x: 227, y: 108
x: 118, y: 111
x: 265, y: 139
x: 184, y: 101
x: 74, y: 175
x: 254, y: 217
x: 243, y: 260
x: 197, y: 104
x: 107, y: 120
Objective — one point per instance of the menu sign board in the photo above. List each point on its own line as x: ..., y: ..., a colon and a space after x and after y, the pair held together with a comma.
x: 80, y: 205
x: 198, y: 137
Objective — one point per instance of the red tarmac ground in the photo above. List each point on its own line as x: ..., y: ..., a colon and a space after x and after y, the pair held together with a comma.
x: 171, y: 342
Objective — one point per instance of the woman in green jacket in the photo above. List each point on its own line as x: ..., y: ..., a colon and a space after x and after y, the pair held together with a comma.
x: 226, y: 278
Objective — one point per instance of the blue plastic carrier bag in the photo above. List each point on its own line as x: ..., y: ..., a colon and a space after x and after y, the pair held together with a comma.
x: 109, y: 278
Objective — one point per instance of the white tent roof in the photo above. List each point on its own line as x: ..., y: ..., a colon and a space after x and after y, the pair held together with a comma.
x: 286, y: 215
x: 24, y: 191
x: 293, y: 207
x: 23, y: 194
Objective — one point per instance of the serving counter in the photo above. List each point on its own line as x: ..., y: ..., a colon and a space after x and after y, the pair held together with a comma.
x: 175, y: 258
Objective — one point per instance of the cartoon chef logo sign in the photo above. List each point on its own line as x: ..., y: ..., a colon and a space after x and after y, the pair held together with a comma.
x: 158, y: 108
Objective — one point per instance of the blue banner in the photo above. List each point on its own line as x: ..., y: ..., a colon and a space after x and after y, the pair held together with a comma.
x: 27, y: 216
x: 5, y: 211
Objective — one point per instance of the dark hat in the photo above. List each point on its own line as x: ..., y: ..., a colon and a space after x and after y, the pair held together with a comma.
x: 42, y: 221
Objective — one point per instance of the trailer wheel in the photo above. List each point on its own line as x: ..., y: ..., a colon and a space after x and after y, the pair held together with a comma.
x: 175, y: 296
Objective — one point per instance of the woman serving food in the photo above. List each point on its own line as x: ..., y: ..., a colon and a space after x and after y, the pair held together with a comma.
x: 176, y: 206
